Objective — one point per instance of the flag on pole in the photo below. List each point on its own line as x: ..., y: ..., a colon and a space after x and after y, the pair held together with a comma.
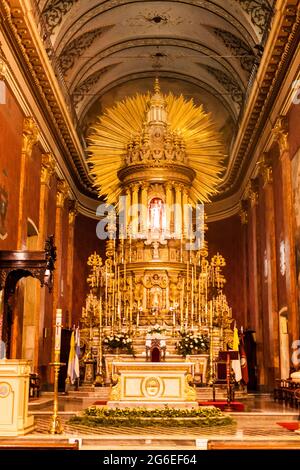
x: 73, y: 364
x: 236, y: 364
x: 77, y: 352
x: 244, y: 364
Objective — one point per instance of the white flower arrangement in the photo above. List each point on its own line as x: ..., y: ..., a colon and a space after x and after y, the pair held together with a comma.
x: 119, y: 340
x: 156, y: 329
x: 191, y: 343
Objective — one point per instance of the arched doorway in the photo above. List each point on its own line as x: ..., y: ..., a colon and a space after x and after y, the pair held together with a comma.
x: 18, y: 300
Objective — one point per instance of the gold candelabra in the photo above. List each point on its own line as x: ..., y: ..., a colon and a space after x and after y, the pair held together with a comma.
x: 55, y: 424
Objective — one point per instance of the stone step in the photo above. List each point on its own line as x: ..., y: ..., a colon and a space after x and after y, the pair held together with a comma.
x: 99, y: 393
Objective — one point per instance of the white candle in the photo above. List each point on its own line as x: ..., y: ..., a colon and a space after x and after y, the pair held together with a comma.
x: 58, y: 329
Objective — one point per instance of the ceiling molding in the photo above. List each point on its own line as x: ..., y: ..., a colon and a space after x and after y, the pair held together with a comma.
x: 122, y: 46
x: 259, y: 12
x: 78, y: 46
x: 238, y: 47
x: 153, y: 74
x: 84, y: 87
x: 279, y: 52
x: 54, y: 12
x: 228, y: 83
x: 73, y: 27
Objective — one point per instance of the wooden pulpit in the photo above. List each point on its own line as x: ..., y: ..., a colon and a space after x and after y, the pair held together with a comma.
x: 228, y: 356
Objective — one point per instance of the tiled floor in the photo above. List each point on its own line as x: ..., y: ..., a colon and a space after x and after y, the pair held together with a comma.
x: 259, y: 422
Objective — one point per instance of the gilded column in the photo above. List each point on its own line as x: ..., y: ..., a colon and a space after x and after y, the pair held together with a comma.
x: 169, y: 202
x: 178, y: 211
x: 30, y: 137
x: 186, y: 212
x: 249, y: 220
x: 135, y: 212
x: 280, y: 132
x: 272, y: 327
x: 61, y: 196
x: 70, y: 266
x: 144, y: 201
x: 128, y: 209
x: 47, y: 171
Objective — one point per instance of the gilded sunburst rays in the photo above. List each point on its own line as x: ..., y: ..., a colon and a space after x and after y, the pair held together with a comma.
x: 115, y: 128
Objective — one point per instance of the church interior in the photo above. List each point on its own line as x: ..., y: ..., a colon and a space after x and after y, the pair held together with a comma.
x: 149, y: 223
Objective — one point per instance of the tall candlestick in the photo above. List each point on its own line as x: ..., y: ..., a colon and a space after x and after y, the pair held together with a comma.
x: 192, y: 297
x: 58, y: 325
x: 181, y: 305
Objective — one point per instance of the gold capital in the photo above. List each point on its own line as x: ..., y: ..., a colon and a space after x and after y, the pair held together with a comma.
x: 168, y: 186
x: 62, y: 193
x: 135, y: 187
x: 252, y: 192
x: 243, y: 213
x: 280, y: 131
x: 145, y: 186
x: 48, y: 168
x: 73, y: 211
x: 30, y: 135
x: 265, y: 169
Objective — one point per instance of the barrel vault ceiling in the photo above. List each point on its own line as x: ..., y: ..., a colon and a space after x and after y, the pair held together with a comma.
x: 103, y: 51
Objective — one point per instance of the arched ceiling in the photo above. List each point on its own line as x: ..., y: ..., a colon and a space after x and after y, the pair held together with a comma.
x: 111, y: 49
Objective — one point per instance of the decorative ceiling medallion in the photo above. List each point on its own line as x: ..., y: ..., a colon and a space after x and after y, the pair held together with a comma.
x: 238, y: 47
x: 54, y: 12
x: 229, y: 83
x: 155, y: 18
x: 84, y: 87
x: 157, y: 57
x: 74, y: 49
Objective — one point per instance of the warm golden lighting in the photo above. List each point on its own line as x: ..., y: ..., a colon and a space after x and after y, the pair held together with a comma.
x: 123, y: 128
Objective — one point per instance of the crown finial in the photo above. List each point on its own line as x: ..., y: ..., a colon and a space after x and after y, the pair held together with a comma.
x: 157, y: 86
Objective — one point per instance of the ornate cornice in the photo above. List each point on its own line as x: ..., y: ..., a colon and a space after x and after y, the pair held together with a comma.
x: 280, y: 132
x: 54, y: 12
x: 18, y: 32
x: 238, y: 47
x: 281, y: 52
x: 74, y: 49
x: 47, y: 168
x: 3, y: 65
x: 30, y: 135
x: 84, y: 87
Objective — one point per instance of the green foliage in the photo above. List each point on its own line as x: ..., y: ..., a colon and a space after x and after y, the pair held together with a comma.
x: 167, y: 416
x: 191, y: 343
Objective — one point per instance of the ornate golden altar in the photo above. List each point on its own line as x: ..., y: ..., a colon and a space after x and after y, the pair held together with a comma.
x: 152, y: 384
